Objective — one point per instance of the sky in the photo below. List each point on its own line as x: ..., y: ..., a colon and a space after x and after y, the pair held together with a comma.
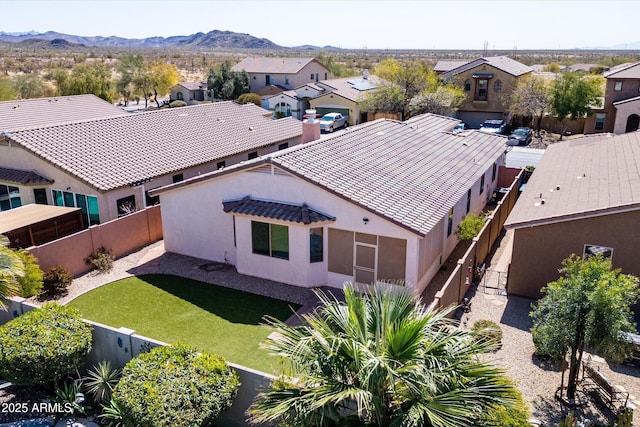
x: 374, y: 24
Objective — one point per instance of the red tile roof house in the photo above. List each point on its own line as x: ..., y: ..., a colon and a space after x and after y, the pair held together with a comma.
x: 584, y: 197
x: 285, y: 73
x: 621, y: 110
x: 380, y: 201
x: 106, y: 165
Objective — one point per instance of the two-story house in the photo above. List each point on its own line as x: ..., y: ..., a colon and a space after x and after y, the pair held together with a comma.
x: 487, y: 83
x: 285, y: 73
x: 621, y: 110
x: 190, y: 92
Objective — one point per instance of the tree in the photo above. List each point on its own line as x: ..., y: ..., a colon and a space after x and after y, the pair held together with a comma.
x: 6, y: 90
x: 163, y: 77
x: 531, y: 98
x: 589, y: 305
x: 32, y: 281
x: 83, y: 79
x: 380, y: 360
x: 414, y: 89
x: 29, y: 86
x: 134, y: 77
x: 226, y: 84
x: 11, y: 268
x: 572, y: 97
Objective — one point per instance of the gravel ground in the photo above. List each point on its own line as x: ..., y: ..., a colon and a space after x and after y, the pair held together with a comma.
x: 536, y: 379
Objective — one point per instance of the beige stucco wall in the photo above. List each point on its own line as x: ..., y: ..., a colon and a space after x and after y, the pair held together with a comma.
x: 195, y: 224
x: 290, y: 81
x: 15, y: 157
x: 623, y: 111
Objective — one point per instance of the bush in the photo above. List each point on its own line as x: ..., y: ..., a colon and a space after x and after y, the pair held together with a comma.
x: 43, y: 346
x: 470, y: 226
x: 501, y: 416
x: 56, y: 280
x: 102, y: 259
x: 174, y: 386
x: 487, y: 329
x: 177, y: 103
x: 252, y: 98
x: 32, y: 281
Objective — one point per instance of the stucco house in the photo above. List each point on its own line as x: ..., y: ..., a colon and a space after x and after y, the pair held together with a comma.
x: 106, y: 165
x: 326, y: 96
x: 380, y: 201
x: 487, y: 83
x: 286, y: 73
x: 583, y: 198
x: 190, y: 92
x: 621, y: 110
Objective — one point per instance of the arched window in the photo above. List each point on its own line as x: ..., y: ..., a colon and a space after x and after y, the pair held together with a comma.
x: 467, y: 85
x: 497, y: 86
x: 179, y: 95
x: 283, y: 109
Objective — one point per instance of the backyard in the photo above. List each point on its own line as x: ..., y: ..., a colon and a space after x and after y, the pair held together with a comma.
x: 175, y: 309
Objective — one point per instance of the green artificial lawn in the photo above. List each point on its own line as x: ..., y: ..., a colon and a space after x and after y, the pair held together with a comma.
x: 175, y: 309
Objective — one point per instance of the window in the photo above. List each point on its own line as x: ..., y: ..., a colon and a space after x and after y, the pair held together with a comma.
x: 316, y: 245
x: 325, y: 76
x: 286, y: 80
x: 468, y: 200
x: 267, y: 79
x: 270, y: 239
x: 617, y: 86
x: 283, y: 146
x: 221, y: 164
x: 311, y: 78
x: 600, y: 120
x: 481, y: 90
x: 252, y: 155
x: 88, y: 205
x: 180, y: 96
x: 40, y: 196
x: 126, y: 205
x: 283, y: 109
x: 482, y: 184
x: 9, y: 197
x: 178, y: 178
x: 497, y: 86
x: 316, y: 76
x: 467, y: 86
x: 151, y: 201
x: 593, y: 250
x: 493, y: 172
x: 450, y: 223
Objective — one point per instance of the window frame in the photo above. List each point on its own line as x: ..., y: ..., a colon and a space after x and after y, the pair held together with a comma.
x: 482, y: 184
x: 599, y: 121
x: 271, y: 247
x: 316, y: 254
x: 477, y: 96
x: 617, y: 86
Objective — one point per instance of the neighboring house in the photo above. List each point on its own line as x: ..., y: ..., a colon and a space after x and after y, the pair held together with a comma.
x: 487, y: 83
x: 444, y: 66
x: 381, y: 201
x: 287, y: 73
x: 190, y: 92
x: 583, y: 198
x: 327, y: 96
x: 621, y: 111
x: 106, y: 165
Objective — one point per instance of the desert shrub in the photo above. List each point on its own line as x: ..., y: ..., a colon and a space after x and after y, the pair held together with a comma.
x: 470, y: 226
x: 102, y: 259
x: 56, y: 280
x: 252, y: 98
x: 501, y: 416
x: 32, y: 281
x: 174, y: 386
x: 101, y: 380
x: 43, y: 346
x: 487, y: 329
x: 177, y: 103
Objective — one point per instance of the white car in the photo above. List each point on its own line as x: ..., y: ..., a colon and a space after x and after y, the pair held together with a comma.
x: 332, y: 121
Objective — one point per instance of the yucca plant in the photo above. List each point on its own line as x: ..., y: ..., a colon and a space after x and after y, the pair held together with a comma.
x: 101, y: 380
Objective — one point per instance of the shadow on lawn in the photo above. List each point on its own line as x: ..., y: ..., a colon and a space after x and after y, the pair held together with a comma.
x: 230, y: 304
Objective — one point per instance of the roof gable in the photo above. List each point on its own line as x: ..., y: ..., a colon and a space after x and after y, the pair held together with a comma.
x: 624, y: 71
x: 502, y: 63
x: 273, y: 65
x: 118, y: 151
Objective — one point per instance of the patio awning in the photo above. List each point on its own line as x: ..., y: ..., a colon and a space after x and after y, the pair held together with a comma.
x: 275, y: 210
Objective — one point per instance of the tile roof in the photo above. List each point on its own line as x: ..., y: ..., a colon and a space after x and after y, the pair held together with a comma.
x: 39, y: 112
x: 596, y: 175
x: 275, y: 210
x: 22, y: 177
x: 272, y: 65
x: 447, y: 65
x: 193, y: 85
x: 624, y: 101
x: 503, y: 63
x: 351, y: 88
x: 624, y: 71
x: 118, y: 151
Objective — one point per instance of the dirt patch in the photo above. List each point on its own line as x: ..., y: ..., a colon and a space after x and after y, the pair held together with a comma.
x: 547, y: 138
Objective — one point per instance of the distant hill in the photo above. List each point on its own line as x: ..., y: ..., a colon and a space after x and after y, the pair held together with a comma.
x: 212, y: 39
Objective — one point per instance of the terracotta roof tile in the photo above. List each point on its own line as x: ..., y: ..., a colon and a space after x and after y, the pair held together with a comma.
x: 275, y: 210
x: 272, y: 65
x: 22, y: 177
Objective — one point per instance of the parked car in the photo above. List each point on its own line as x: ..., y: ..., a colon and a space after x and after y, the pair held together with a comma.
x: 520, y: 136
x: 459, y: 128
x: 332, y: 121
x: 493, y: 126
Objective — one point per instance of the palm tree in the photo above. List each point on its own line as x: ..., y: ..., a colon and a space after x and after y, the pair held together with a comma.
x: 10, y: 268
x: 380, y: 359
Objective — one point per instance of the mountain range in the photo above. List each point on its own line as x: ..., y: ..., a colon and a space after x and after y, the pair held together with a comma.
x: 212, y: 39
